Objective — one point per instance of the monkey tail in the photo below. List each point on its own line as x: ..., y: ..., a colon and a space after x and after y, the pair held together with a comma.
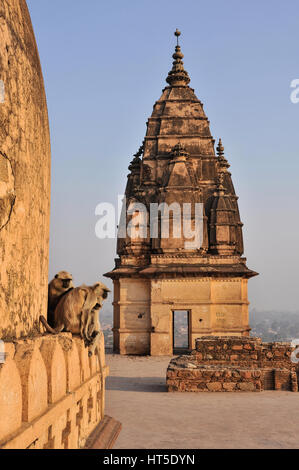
x: 48, y: 328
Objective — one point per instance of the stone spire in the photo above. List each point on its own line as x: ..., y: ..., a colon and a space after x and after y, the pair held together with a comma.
x: 178, y: 75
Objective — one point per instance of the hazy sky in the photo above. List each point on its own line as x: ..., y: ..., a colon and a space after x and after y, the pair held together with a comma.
x: 105, y: 64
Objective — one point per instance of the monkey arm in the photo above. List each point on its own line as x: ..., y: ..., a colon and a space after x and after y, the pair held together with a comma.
x: 86, y: 316
x: 84, y: 324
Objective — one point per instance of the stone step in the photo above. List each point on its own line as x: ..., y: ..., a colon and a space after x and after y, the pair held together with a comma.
x: 104, y: 435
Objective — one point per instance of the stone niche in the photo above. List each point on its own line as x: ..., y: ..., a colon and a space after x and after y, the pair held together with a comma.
x: 24, y: 175
x: 51, y: 393
x: 227, y: 364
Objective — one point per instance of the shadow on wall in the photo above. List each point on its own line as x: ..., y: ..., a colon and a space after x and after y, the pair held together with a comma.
x: 133, y: 384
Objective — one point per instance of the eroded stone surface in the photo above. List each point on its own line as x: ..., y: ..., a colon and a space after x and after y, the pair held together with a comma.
x: 24, y: 175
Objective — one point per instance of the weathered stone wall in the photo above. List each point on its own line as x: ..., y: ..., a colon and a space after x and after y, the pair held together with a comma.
x: 210, y: 378
x: 247, y: 352
x: 227, y: 364
x: 214, y: 379
x: 24, y: 175
x: 51, y: 393
x: 143, y: 311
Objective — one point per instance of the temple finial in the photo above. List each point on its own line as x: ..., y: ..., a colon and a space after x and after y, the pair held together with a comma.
x: 178, y: 75
x: 177, y: 33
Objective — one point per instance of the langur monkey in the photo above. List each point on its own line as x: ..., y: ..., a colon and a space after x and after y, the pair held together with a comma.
x: 62, y: 283
x: 78, y: 312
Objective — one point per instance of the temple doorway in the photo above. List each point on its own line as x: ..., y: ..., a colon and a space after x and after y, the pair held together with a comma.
x: 181, y: 330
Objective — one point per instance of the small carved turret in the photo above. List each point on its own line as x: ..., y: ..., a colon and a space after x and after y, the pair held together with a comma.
x: 222, y: 222
x: 136, y: 162
x: 134, y: 175
x: 222, y: 162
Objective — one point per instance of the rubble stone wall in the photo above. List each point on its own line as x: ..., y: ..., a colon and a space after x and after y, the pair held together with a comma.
x: 51, y: 393
x: 227, y: 364
x: 249, y: 352
x: 214, y: 379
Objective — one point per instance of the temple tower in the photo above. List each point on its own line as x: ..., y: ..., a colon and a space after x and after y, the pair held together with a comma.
x: 156, y: 275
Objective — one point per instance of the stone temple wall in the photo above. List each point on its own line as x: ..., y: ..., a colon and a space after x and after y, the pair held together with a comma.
x: 51, y: 393
x: 226, y: 364
x: 24, y: 175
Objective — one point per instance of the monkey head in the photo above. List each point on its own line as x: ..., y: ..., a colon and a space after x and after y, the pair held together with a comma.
x: 64, y: 280
x: 101, y: 291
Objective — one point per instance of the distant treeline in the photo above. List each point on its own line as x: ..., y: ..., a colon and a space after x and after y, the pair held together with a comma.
x: 274, y: 326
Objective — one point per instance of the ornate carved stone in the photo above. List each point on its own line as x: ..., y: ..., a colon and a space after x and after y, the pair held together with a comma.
x: 178, y: 164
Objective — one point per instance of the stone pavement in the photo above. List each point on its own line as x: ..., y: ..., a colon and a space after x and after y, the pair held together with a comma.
x: 152, y: 418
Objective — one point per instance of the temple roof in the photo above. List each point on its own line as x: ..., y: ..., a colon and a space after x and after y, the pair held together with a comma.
x: 177, y: 163
x: 178, y: 115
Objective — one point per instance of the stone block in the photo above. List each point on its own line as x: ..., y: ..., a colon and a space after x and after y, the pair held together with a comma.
x: 10, y: 398
x: 229, y: 386
x: 214, y: 386
x: 83, y: 358
x: 54, y: 359
x: 34, y: 380
x: 246, y: 386
x: 73, y: 376
x: 246, y: 374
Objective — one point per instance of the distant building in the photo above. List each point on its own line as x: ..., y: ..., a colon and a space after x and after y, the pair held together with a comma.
x: 156, y: 276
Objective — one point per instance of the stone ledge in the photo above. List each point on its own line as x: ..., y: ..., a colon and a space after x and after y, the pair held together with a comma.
x: 51, y: 393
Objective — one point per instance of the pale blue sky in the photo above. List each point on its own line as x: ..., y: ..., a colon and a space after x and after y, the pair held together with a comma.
x: 105, y: 64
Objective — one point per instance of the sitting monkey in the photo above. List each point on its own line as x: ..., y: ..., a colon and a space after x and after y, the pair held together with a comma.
x: 62, y: 283
x: 77, y: 312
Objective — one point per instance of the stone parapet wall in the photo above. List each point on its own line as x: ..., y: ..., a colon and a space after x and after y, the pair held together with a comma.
x: 227, y: 364
x: 51, y: 393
